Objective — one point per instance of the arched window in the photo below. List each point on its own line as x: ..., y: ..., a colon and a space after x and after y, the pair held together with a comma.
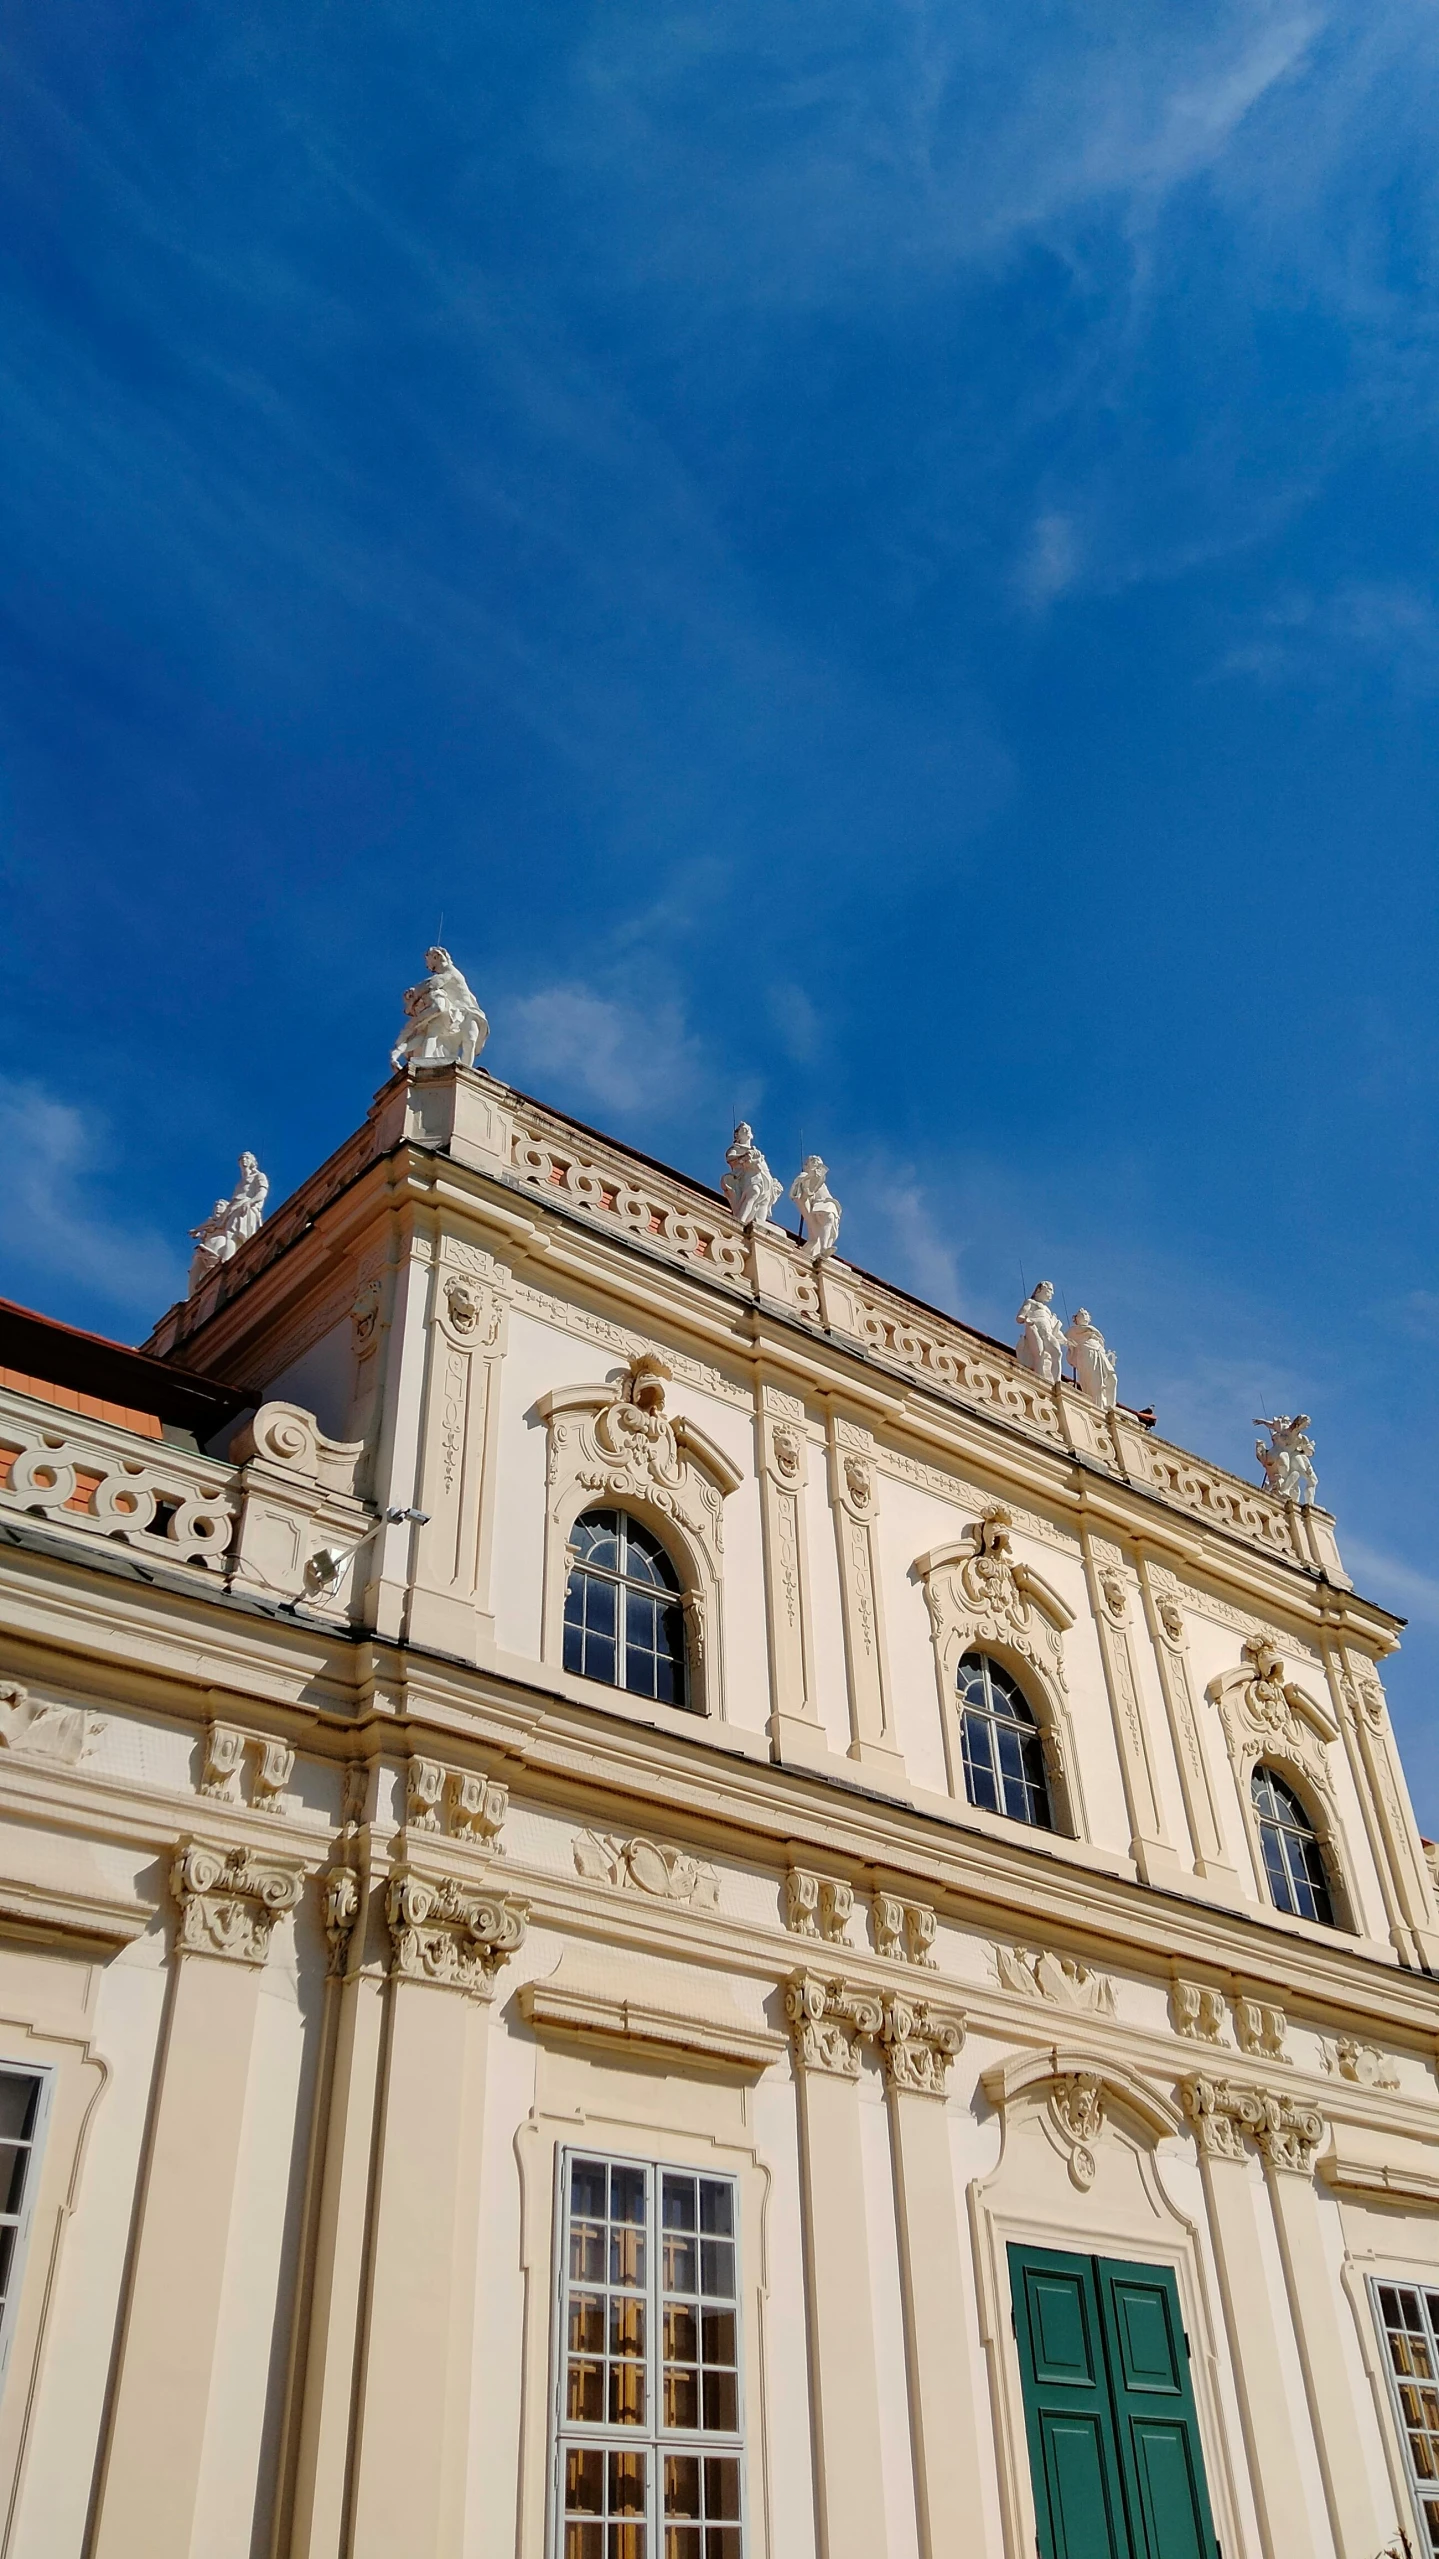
x: 624, y: 1616
x: 1003, y: 1752
x: 1293, y: 1858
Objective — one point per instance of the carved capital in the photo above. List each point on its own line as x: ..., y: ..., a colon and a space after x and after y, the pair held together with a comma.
x: 230, y: 1899
x: 829, y: 2023
x: 340, y: 1890
x: 1286, y: 2133
x: 917, y: 2046
x: 448, y: 1933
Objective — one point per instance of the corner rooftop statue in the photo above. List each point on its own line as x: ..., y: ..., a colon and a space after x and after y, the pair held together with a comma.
x: 658, y: 1904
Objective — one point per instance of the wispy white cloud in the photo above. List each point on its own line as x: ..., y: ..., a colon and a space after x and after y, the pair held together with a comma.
x: 1391, y: 627
x: 1393, y: 1581
x: 608, y: 1052
x: 1050, y: 561
x: 918, y: 1252
x: 55, y: 1219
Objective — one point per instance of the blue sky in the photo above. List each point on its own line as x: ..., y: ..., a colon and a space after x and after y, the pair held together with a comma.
x: 876, y: 565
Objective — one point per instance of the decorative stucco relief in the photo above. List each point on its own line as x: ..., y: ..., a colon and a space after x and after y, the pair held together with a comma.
x: 1364, y: 2064
x: 652, y: 1866
x: 230, y: 1900
x: 36, y: 1730
x: 630, y: 1345
x: 1076, y: 2114
x: 1285, y: 2131
x: 1064, y: 1979
x: 1261, y: 2027
x: 450, y: 1933
x: 971, y: 1497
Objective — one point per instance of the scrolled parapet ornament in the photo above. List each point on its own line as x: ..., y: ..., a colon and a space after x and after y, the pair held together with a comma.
x: 1285, y: 2131
x: 916, y: 2046
x: 230, y: 1900
x: 446, y: 1932
x: 829, y: 2023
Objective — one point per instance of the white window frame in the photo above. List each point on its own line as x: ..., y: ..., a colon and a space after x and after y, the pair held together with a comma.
x: 1421, y: 2494
x: 23, y: 2221
x: 653, y: 2438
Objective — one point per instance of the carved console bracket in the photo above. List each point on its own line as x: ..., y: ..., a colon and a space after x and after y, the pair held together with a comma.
x: 462, y: 1801
x: 227, y: 1747
x: 904, y: 1930
x: 817, y: 1906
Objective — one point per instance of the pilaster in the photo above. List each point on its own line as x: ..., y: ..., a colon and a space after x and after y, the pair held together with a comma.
x: 230, y: 1902
x: 1165, y: 1620
x: 917, y: 2044
x: 1220, y: 2114
x: 829, y: 2022
x: 449, y: 1937
x: 1149, y: 1844
x: 782, y: 1445
x: 1404, y: 1880
x: 854, y: 1503
x: 449, y: 1605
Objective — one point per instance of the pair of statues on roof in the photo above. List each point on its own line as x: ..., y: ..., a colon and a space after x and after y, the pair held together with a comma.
x: 752, y: 1190
x: 1045, y: 1346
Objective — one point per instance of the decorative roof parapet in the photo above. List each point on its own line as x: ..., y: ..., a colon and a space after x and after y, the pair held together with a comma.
x: 663, y: 1212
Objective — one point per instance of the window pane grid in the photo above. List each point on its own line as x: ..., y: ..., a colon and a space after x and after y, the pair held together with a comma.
x: 1293, y: 1858
x: 1001, y: 1746
x: 624, y: 1614
x: 1409, y: 2321
x: 650, y: 2351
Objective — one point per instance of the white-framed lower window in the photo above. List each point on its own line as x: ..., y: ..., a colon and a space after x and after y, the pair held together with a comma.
x: 649, y: 2437
x: 24, y: 2108
x: 1408, y: 2318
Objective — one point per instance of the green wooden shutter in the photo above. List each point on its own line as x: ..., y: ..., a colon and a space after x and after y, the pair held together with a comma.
x: 1155, y: 2422
x: 1073, y: 2452
x: 1109, y: 2413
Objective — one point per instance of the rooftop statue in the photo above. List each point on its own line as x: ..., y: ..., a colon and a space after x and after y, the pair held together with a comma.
x: 443, y: 1024
x: 1093, y: 1362
x: 818, y: 1207
x: 1288, y: 1460
x: 1042, y: 1342
x: 749, y: 1185
x: 230, y: 1223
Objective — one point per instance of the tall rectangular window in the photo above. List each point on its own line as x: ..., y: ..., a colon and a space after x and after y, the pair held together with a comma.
x: 1408, y: 2316
x: 649, y: 2432
x: 23, y: 2106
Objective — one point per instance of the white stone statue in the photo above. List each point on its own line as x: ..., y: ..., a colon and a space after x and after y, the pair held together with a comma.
x: 1042, y: 1343
x: 443, y: 1023
x: 1288, y: 1459
x: 230, y: 1223
x: 1093, y: 1362
x: 818, y: 1207
x: 749, y: 1185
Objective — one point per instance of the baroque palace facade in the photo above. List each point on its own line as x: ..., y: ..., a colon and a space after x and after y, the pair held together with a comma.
x: 656, y: 1905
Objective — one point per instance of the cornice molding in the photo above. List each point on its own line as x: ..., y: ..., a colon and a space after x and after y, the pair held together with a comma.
x: 615, y: 2016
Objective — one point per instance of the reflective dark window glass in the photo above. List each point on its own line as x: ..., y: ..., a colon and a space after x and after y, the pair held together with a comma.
x: 1409, y: 2322
x: 1293, y: 1858
x: 1003, y: 1752
x: 624, y: 1612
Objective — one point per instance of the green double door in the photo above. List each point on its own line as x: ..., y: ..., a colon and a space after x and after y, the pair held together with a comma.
x: 1113, y: 2444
